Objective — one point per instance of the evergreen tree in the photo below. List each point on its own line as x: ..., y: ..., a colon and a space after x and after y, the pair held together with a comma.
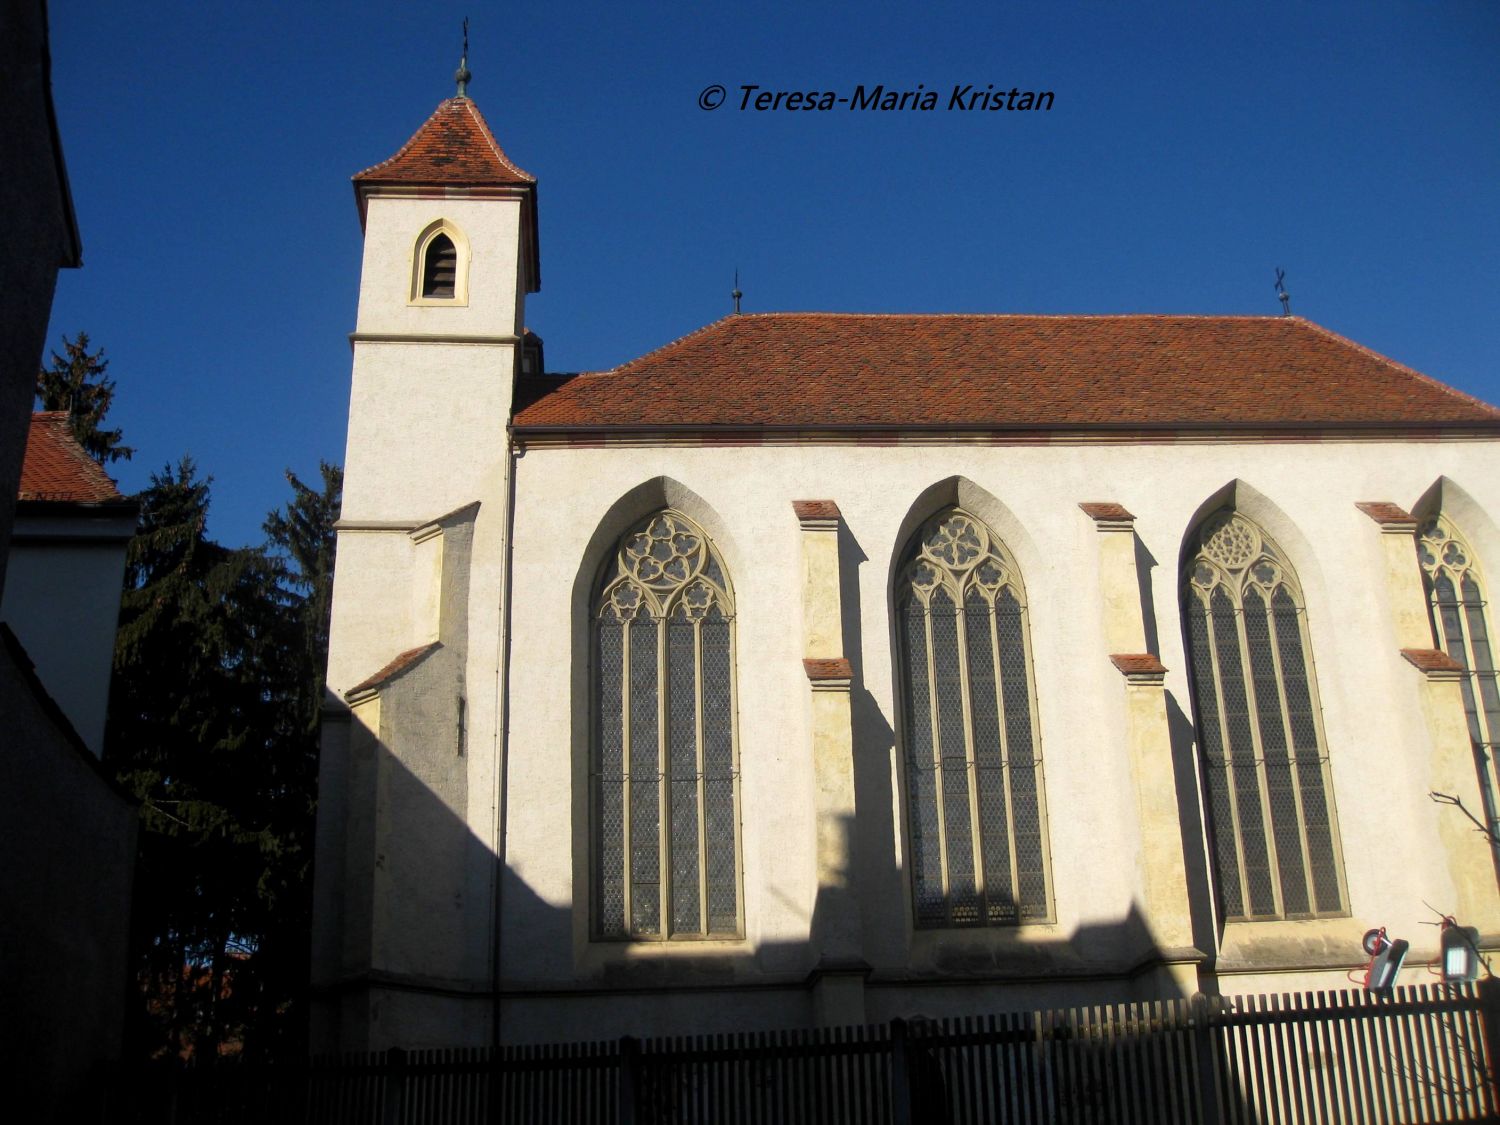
x: 205, y: 729
x: 76, y: 382
x: 302, y: 534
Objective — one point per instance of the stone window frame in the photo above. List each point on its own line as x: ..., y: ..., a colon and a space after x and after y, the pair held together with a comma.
x: 1233, y: 556
x: 632, y: 589
x: 933, y: 560
x: 420, y: 250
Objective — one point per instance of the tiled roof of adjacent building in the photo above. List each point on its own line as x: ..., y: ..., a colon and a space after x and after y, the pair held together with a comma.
x: 900, y: 372
x: 57, y: 469
x: 453, y: 146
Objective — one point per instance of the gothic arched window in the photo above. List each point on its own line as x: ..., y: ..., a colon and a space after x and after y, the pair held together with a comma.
x: 439, y: 267
x: 1456, y: 602
x: 973, y: 761
x: 1275, y: 836
x: 664, y: 766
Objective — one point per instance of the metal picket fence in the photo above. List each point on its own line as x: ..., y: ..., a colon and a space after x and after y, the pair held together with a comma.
x: 1425, y: 1054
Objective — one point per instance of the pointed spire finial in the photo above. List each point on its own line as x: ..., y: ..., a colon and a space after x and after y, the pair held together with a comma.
x: 736, y: 294
x: 462, y: 75
x: 1281, y: 292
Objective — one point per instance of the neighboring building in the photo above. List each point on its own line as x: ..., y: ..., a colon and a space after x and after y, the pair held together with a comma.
x: 41, y: 233
x: 67, y: 834
x: 66, y: 572
x: 822, y: 668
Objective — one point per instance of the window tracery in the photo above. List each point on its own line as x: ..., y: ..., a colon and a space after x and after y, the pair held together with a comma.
x: 977, y: 818
x: 1272, y: 818
x: 665, y: 765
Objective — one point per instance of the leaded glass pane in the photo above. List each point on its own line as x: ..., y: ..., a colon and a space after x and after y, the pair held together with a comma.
x: 927, y: 865
x: 1244, y: 772
x: 1484, y: 662
x: 720, y: 776
x: 711, y: 569
x: 1311, y: 762
x: 1294, y: 676
x: 645, y: 781
x: 1210, y: 738
x: 1025, y: 795
x: 947, y: 672
x: 976, y: 825
x: 1281, y: 785
x: 682, y: 715
x: 663, y: 645
x: 609, y: 783
x: 984, y: 705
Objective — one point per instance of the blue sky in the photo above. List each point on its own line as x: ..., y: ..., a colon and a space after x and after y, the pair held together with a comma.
x: 1191, y: 149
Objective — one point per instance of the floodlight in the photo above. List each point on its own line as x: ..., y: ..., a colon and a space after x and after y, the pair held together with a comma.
x: 1460, y: 952
x: 1386, y: 957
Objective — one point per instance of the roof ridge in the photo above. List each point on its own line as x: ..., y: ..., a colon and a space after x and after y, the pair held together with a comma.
x: 489, y: 135
x: 52, y: 448
x: 729, y: 318
x: 1472, y: 400
x: 1000, y: 316
x: 411, y: 140
x: 671, y: 344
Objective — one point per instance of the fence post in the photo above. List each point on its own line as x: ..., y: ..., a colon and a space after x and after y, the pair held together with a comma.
x: 1489, y: 1014
x: 393, y: 1093
x: 1206, y: 1048
x: 630, y: 1076
x: 900, y: 1074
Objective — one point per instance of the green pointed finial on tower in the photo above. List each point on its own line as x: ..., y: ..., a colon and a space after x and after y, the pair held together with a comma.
x: 462, y: 75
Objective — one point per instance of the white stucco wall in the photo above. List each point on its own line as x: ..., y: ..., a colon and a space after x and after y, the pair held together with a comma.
x: 1303, y: 494
x: 492, y: 229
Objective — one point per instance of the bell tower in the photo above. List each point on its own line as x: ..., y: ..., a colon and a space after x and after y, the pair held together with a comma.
x: 406, y: 878
x: 450, y: 254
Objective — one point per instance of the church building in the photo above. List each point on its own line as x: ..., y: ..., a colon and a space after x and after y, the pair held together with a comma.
x: 821, y: 668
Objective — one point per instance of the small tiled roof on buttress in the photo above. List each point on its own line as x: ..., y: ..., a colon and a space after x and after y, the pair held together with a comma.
x: 453, y: 146
x: 831, y: 371
x: 56, y: 468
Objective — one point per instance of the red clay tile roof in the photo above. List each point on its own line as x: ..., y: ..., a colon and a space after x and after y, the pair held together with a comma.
x: 824, y: 668
x: 56, y: 467
x: 815, y: 509
x: 1106, y: 510
x: 841, y: 371
x: 1431, y: 660
x: 1138, y: 663
x: 453, y: 146
x: 400, y: 664
x: 1384, y: 512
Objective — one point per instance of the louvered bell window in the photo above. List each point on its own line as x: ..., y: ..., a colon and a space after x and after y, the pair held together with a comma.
x: 975, y: 809
x: 440, y: 267
x: 664, y: 772
x: 1460, y: 628
x: 1274, y: 833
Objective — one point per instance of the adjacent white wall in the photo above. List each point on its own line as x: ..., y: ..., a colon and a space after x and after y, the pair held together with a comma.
x: 62, y: 600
